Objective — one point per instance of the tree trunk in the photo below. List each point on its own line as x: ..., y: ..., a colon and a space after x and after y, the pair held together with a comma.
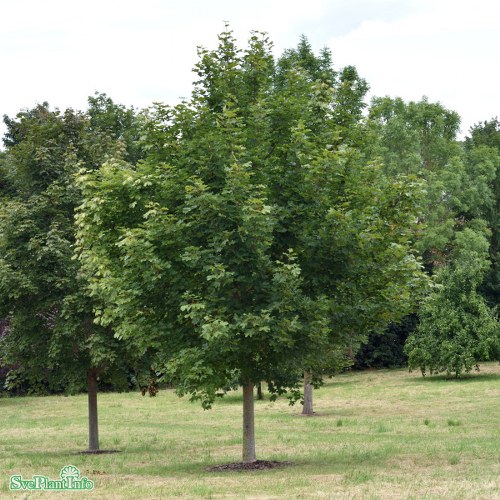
x: 248, y: 425
x: 260, y: 396
x: 93, y: 423
x: 308, y: 394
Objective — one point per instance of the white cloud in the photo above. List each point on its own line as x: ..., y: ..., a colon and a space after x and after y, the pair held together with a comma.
x: 447, y: 51
x: 137, y: 52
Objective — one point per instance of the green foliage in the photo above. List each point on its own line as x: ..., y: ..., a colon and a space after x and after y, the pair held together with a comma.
x: 419, y: 138
x: 460, y: 181
x: 51, y: 342
x: 483, y: 146
x: 386, y: 350
x: 195, y: 278
x: 457, y: 330
x: 255, y: 240
x: 485, y: 133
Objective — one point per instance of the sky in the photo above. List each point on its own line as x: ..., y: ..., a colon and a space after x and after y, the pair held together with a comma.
x: 139, y: 52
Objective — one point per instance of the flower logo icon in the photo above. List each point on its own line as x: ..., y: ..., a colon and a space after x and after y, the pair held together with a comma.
x: 70, y: 471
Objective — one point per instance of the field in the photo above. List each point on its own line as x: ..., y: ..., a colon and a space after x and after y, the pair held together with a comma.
x: 378, y: 434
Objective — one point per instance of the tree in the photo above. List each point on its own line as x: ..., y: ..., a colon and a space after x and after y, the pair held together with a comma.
x: 457, y: 330
x: 249, y: 243
x: 483, y: 148
x: 421, y: 138
x: 52, y: 341
x: 191, y: 274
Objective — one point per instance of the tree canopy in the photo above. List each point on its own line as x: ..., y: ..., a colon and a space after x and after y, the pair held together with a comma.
x: 255, y: 238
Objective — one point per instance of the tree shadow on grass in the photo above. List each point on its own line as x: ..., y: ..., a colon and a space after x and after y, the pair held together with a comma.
x: 463, y: 379
x: 12, y: 400
x: 232, y: 398
x: 97, y: 452
x: 245, y: 467
x: 328, y: 413
x: 43, y: 455
x: 338, y: 381
x: 237, y: 399
x: 341, y: 462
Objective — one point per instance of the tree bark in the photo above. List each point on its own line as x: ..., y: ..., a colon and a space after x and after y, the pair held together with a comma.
x: 308, y: 394
x: 260, y: 396
x: 248, y: 425
x: 93, y: 422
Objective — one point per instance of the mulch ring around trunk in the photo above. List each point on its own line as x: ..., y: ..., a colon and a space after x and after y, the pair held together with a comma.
x: 240, y: 466
x: 97, y: 452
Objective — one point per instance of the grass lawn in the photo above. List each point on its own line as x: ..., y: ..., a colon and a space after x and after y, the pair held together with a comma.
x: 379, y: 434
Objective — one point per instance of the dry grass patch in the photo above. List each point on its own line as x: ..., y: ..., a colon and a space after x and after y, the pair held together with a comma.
x: 379, y: 434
